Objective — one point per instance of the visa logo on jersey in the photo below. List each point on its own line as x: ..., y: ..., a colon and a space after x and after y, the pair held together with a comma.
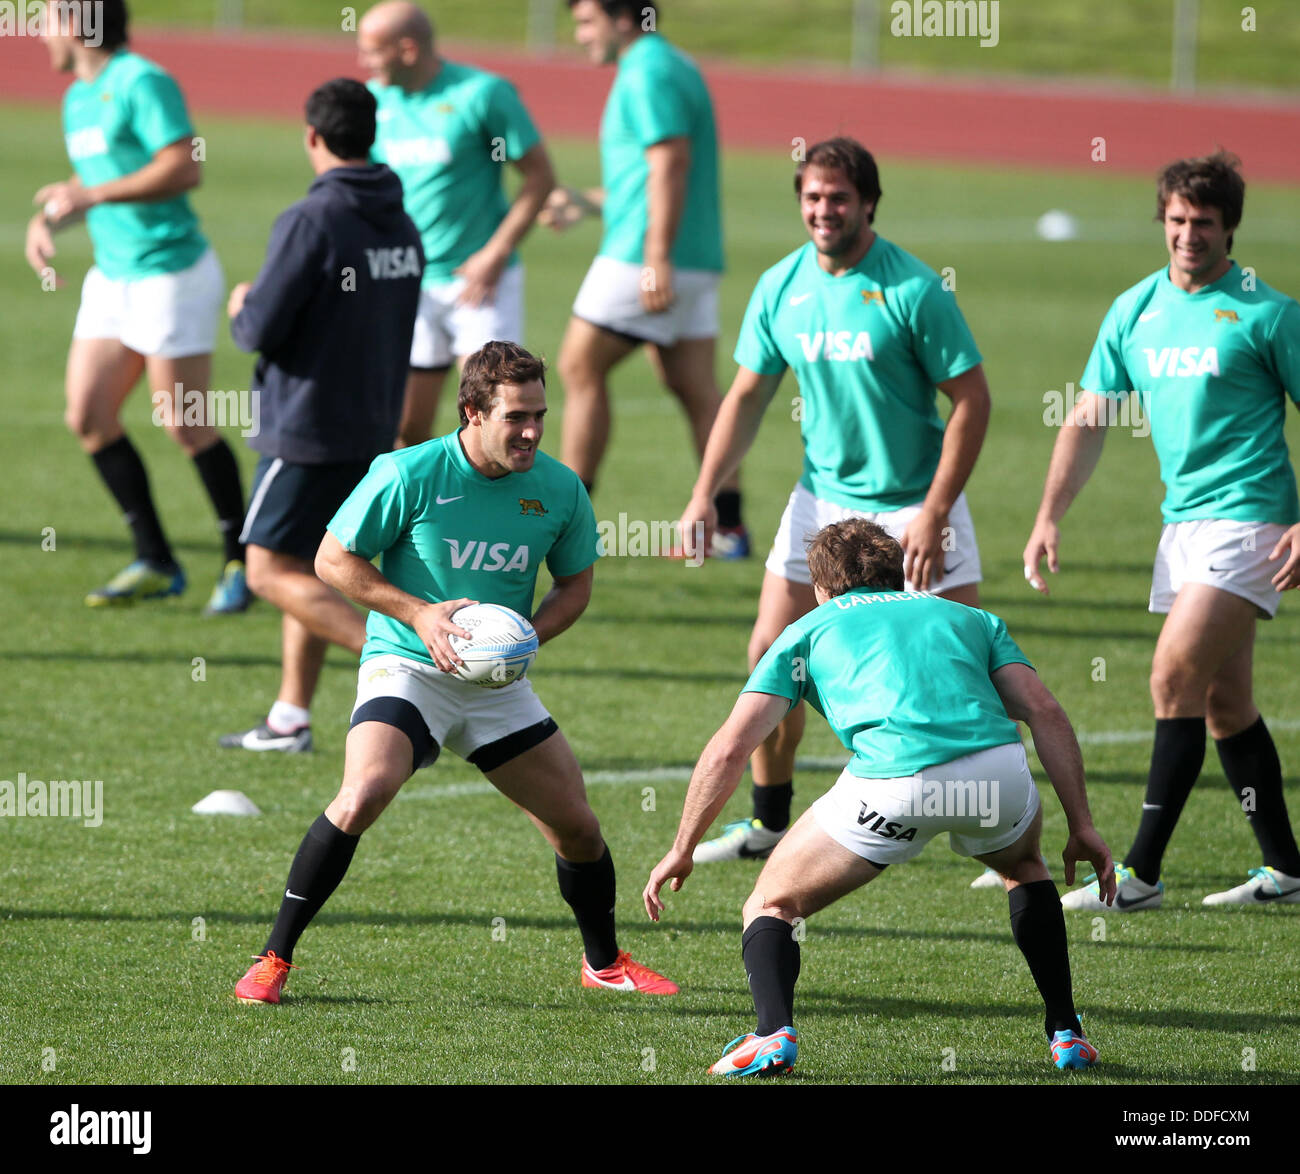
x: 86, y: 142
x: 401, y: 261
x: 496, y: 557
x: 404, y: 152
x: 1179, y: 361
x: 836, y: 346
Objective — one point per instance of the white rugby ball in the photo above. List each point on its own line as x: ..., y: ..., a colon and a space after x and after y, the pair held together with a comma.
x: 501, y: 647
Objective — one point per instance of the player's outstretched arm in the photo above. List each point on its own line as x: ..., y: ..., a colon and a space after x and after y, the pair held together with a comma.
x: 1074, y: 457
x: 563, y: 604
x: 730, y: 438
x: 362, y: 582
x: 716, y: 775
x: 1026, y: 699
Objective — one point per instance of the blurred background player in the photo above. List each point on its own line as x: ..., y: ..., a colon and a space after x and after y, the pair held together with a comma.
x: 1216, y: 353
x: 329, y: 404
x: 152, y: 298
x: 425, y: 510
x: 867, y: 659
x: 869, y: 332
x: 655, y: 277
x: 446, y: 129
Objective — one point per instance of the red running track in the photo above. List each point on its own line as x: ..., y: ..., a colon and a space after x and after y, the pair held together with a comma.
x: 974, y: 122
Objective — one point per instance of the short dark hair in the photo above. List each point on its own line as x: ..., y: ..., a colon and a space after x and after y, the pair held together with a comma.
x: 852, y: 158
x: 491, y: 365
x: 1211, y: 181
x: 855, y: 553
x: 342, y: 112
x: 637, y: 9
x: 108, y: 32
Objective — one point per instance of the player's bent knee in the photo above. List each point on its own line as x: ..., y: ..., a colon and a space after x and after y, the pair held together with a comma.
x: 359, y: 803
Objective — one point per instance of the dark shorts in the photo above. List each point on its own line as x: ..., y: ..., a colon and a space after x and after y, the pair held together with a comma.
x: 290, y: 505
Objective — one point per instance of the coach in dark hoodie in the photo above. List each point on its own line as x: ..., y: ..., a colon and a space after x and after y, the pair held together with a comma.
x: 331, y: 314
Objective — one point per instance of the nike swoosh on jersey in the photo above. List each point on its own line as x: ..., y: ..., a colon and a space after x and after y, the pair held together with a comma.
x: 798, y: 298
x: 447, y: 500
x: 1148, y: 315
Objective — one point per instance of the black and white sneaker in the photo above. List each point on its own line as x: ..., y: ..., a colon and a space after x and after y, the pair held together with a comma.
x: 262, y: 737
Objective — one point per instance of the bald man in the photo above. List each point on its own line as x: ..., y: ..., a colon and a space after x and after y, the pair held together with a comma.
x: 446, y: 129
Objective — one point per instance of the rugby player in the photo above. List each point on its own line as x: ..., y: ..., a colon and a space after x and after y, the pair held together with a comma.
x: 329, y: 407
x: 467, y: 517
x: 446, y: 129
x: 925, y: 760
x: 1213, y: 353
x: 150, y: 302
x: 654, y: 280
x: 869, y: 332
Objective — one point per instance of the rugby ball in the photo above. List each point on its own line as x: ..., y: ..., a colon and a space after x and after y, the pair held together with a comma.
x: 501, y: 647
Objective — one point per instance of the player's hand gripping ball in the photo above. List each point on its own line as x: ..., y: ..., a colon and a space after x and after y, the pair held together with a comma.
x: 500, y: 649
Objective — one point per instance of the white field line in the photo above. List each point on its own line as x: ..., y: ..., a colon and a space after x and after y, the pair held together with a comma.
x: 676, y: 774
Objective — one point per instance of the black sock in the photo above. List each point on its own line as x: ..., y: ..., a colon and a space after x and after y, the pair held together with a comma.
x: 771, y: 957
x: 1250, y: 761
x: 323, y: 857
x: 727, y: 503
x: 588, y: 887
x: 772, y: 806
x: 123, y: 472
x: 219, y: 472
x: 1038, y: 925
x: 1176, y: 760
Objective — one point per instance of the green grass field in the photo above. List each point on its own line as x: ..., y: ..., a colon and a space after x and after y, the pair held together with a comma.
x: 111, y: 976
x: 1042, y: 38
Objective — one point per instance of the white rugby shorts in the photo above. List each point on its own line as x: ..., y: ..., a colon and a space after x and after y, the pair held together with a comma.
x: 610, y: 296
x: 461, y: 716
x: 1230, y: 555
x: 805, y: 515
x: 169, y: 315
x: 445, y: 330
x: 985, y: 802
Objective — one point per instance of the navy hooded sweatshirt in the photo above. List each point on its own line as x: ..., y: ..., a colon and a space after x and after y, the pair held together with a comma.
x: 332, y: 313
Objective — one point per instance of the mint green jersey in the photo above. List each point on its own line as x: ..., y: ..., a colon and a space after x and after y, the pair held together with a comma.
x: 113, y: 126
x: 901, y: 676
x: 867, y: 348
x: 1213, y: 370
x: 659, y: 94
x: 445, y: 531
x: 448, y: 144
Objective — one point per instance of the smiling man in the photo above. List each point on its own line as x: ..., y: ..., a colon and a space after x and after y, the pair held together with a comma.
x: 1213, y: 353
x: 870, y: 333
x: 484, y: 488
